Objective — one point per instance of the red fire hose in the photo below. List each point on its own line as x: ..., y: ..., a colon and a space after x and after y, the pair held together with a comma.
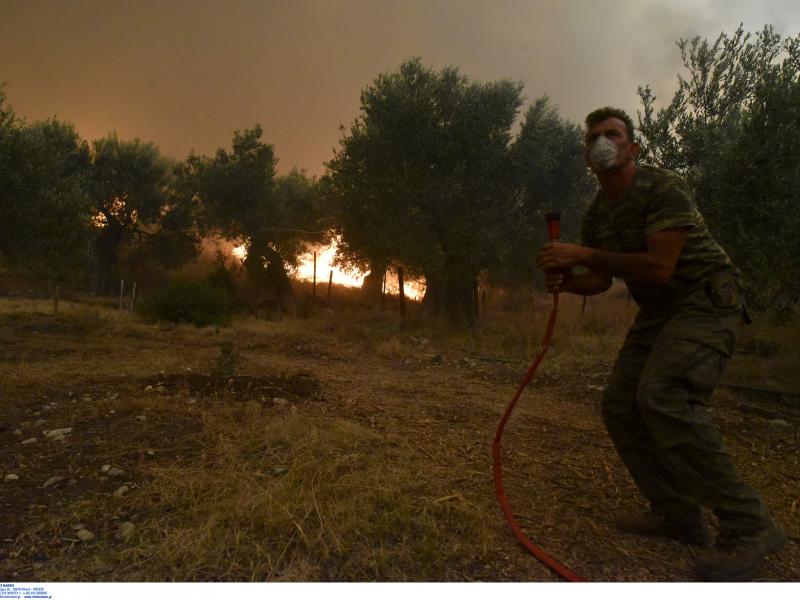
x: 554, y: 233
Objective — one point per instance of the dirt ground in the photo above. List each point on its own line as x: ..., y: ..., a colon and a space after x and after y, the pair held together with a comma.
x: 154, y: 413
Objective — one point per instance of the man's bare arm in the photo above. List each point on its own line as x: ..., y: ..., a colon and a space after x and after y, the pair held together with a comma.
x: 585, y: 284
x: 655, y: 266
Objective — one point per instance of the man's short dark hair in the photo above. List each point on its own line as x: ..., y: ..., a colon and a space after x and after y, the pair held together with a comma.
x: 607, y: 112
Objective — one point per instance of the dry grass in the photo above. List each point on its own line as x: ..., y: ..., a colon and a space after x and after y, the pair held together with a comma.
x: 375, y: 465
x: 769, y: 354
x: 282, y: 497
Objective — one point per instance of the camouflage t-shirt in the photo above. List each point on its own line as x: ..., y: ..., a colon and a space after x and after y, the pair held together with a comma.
x: 659, y: 199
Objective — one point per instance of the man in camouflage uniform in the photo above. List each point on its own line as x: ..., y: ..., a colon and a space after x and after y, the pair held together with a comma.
x: 644, y: 228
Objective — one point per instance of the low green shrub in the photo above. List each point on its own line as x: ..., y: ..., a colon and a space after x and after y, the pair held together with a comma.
x: 223, y: 278
x: 225, y: 365
x: 181, y: 301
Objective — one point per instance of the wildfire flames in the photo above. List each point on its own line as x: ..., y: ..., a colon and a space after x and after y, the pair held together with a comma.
x: 240, y: 252
x: 325, y: 254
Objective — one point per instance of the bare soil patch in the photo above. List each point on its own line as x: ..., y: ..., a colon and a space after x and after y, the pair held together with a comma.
x: 330, y: 453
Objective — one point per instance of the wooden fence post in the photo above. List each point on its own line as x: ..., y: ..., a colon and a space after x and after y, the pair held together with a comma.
x: 314, y: 285
x: 383, y: 292
x: 330, y: 284
x: 402, y: 297
x: 121, y: 291
x: 133, y: 296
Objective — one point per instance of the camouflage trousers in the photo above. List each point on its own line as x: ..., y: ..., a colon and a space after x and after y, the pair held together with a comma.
x: 655, y: 411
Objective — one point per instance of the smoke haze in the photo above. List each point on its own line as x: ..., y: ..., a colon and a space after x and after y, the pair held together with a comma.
x: 185, y: 74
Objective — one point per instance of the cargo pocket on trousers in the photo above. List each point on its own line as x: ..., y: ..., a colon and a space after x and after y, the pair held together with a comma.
x: 723, y: 291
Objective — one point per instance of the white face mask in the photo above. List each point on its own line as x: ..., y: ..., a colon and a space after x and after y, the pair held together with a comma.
x: 603, y: 154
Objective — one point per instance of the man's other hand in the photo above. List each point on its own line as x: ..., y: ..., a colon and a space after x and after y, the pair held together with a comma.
x: 556, y: 256
x: 556, y: 281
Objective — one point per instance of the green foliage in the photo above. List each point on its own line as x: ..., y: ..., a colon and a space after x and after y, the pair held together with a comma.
x: 242, y: 199
x: 129, y: 180
x: 192, y: 302
x: 422, y: 178
x: 143, y: 220
x: 53, y: 188
x: 221, y: 277
x: 733, y: 128
x: 427, y: 177
x: 7, y: 116
x: 236, y: 187
x: 550, y: 175
x: 44, y: 208
x: 225, y: 364
x: 298, y: 215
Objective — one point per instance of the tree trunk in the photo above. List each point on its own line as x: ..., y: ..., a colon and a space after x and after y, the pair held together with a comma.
x: 452, y: 294
x: 459, y: 302
x: 372, y: 287
x: 267, y: 270
x: 433, y: 300
x: 106, y: 259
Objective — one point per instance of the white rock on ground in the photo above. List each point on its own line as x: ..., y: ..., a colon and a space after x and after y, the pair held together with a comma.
x: 121, y: 491
x: 55, y: 433
x: 28, y: 441
x: 149, y: 388
x: 18, y: 432
x: 54, y: 480
x: 105, y: 468
x: 125, y: 531
x: 280, y: 401
x: 11, y: 477
x: 115, y: 472
x: 85, y: 535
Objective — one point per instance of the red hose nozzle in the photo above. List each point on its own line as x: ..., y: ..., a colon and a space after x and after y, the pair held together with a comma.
x: 553, y: 226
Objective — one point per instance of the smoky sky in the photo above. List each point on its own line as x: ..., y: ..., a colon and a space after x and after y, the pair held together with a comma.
x: 186, y: 74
